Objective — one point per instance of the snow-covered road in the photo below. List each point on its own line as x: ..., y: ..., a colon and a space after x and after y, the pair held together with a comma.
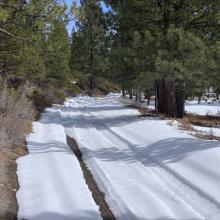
x: 147, y: 169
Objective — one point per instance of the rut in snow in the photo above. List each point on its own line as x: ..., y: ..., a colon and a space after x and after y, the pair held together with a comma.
x: 98, y: 196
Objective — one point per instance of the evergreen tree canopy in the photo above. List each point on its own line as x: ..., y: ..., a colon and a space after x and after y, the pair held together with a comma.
x: 88, y: 40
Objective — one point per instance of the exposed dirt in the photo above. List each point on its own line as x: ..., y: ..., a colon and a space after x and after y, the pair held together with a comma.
x: 8, y: 181
x: 98, y: 196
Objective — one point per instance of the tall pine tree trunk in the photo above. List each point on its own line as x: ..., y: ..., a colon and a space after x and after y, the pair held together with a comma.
x: 130, y: 94
x: 138, y: 97
x: 147, y: 96
x: 123, y: 92
x: 91, y: 75
x: 162, y: 96
x: 171, y: 101
x: 156, y: 94
x: 180, y: 99
x: 170, y: 98
x: 91, y: 57
x: 91, y: 82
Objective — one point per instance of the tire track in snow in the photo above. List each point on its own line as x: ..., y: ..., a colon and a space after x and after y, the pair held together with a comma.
x: 166, y: 190
x: 112, y: 197
x: 181, y: 183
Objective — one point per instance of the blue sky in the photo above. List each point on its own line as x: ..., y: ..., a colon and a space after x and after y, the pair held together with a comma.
x: 70, y: 25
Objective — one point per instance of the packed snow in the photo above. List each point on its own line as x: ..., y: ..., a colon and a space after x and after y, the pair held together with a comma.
x: 147, y: 169
x: 52, y: 186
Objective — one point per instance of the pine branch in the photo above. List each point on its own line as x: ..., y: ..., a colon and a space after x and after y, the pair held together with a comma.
x: 10, y: 34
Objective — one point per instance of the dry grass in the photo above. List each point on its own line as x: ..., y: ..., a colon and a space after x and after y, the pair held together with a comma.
x: 205, y: 121
x: 16, y: 114
x: 186, y: 125
x: 145, y: 112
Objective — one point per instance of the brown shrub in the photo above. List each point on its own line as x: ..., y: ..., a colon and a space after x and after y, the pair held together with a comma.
x: 16, y: 114
x: 40, y: 100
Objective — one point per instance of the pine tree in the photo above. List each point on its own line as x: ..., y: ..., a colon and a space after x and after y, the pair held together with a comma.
x: 133, y: 50
x: 88, y: 41
x: 58, y: 52
x: 181, y: 30
x: 25, y: 38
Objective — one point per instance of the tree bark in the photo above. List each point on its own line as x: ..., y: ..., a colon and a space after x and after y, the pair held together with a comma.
x: 123, y: 92
x: 138, y: 97
x: 170, y: 98
x: 130, y: 94
x: 147, y: 96
x: 91, y: 82
x: 180, y: 100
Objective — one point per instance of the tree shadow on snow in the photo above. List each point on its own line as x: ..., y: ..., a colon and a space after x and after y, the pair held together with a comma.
x: 86, y: 215
x: 47, y: 147
x: 95, y: 108
x: 88, y: 120
x: 160, y: 154
x: 165, y: 151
